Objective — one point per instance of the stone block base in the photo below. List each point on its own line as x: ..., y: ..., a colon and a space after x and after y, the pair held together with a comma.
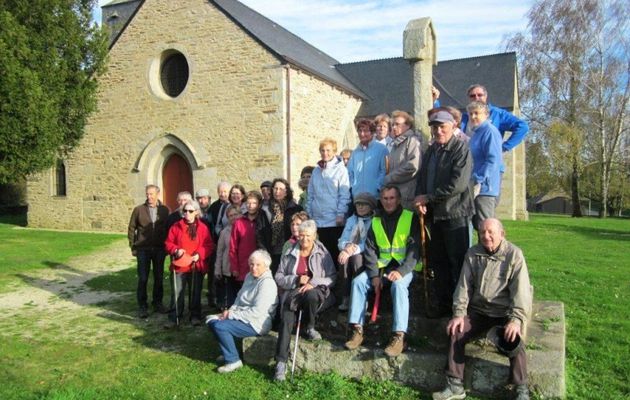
x: 422, y: 364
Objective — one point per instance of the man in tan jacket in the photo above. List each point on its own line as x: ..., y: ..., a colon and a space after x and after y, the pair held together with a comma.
x: 493, y: 289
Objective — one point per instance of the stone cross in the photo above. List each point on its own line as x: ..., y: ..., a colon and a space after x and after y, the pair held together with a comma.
x: 420, y: 49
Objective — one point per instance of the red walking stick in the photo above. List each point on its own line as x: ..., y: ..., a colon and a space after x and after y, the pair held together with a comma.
x: 377, y: 301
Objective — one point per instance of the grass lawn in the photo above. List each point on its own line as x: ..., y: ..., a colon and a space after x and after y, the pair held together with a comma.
x: 55, y: 349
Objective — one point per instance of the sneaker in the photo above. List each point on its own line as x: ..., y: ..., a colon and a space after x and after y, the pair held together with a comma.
x: 227, y: 368
x: 396, y: 344
x: 312, y: 334
x: 454, y: 390
x: 345, y: 304
x: 281, y: 372
x: 160, y: 309
x: 356, y: 339
x: 522, y: 392
x: 143, y: 312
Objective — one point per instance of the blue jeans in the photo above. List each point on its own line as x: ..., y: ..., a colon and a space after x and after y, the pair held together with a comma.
x: 399, y: 289
x: 225, y: 331
x: 145, y: 258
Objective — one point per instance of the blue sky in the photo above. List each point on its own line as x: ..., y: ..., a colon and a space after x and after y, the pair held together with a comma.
x: 357, y: 30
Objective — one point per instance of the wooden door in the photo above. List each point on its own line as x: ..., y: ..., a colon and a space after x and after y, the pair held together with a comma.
x: 176, y: 177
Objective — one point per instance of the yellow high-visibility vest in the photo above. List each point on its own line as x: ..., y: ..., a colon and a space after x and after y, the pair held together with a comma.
x: 398, y: 249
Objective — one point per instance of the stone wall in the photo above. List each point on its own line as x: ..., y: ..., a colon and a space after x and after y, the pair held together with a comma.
x: 228, y: 122
x: 318, y: 110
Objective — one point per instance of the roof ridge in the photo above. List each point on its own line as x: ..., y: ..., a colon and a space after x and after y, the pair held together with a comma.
x: 481, y: 56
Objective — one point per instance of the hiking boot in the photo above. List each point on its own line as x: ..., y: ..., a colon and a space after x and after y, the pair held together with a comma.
x: 312, y: 334
x: 454, y: 390
x: 356, y: 339
x: 227, y: 368
x: 396, y: 344
x: 281, y: 372
x: 143, y: 312
x: 345, y: 304
x: 220, y: 359
x: 522, y: 392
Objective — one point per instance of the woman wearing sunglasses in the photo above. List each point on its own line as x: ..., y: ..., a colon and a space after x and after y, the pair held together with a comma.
x: 189, y: 243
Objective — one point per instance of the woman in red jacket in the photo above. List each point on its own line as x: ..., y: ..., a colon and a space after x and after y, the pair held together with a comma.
x: 189, y: 243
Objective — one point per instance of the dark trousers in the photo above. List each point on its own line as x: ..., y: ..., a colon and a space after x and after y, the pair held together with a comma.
x: 191, y: 283
x: 474, y: 325
x: 309, y: 303
x: 212, y: 284
x: 227, y: 289
x: 450, y: 239
x: 330, y: 239
x: 146, y: 258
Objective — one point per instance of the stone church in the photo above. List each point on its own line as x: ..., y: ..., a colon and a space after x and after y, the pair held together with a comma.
x: 201, y: 91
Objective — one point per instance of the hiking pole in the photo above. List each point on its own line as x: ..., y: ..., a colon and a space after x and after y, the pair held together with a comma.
x: 176, y: 297
x: 425, y: 263
x: 295, y: 348
x: 377, y: 298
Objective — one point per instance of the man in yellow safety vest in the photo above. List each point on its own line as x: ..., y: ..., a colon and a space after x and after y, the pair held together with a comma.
x: 391, y: 254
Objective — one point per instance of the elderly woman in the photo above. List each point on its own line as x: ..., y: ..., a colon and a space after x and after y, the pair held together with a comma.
x: 485, y: 148
x: 296, y: 221
x: 306, y: 274
x: 190, y: 244
x: 329, y: 196
x: 281, y: 208
x: 382, y: 124
x: 251, y: 313
x: 352, y: 242
x: 225, y: 285
x: 404, y: 158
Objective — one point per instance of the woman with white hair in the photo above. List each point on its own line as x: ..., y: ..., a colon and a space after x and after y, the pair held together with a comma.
x: 251, y: 313
x: 306, y: 275
x: 189, y: 243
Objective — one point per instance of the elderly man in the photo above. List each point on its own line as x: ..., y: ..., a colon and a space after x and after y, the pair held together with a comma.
x: 404, y: 157
x: 503, y: 120
x: 175, y: 216
x: 203, y: 198
x: 218, y: 208
x: 366, y: 167
x: 444, y: 195
x: 146, y: 234
x: 493, y: 289
x: 391, y: 255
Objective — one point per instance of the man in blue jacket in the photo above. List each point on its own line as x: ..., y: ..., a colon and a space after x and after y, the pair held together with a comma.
x: 503, y: 120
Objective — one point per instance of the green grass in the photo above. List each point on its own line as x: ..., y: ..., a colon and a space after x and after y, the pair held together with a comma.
x: 23, y: 250
x: 102, y: 352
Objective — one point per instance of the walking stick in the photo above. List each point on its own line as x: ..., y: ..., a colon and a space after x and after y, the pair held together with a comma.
x: 297, y: 336
x: 425, y: 263
x: 176, y: 297
x: 377, y: 299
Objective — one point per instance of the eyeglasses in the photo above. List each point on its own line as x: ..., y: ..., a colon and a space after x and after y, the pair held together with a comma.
x: 475, y: 95
x: 189, y: 211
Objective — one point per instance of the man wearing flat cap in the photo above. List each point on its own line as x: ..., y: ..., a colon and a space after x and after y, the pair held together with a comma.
x: 444, y: 196
x: 493, y: 290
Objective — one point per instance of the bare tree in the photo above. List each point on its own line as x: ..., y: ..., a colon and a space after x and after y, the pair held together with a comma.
x: 574, y: 80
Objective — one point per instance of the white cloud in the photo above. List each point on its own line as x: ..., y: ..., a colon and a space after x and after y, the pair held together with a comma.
x: 352, y: 30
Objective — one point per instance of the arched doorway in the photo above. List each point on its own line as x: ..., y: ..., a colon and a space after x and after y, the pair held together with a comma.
x: 176, y: 177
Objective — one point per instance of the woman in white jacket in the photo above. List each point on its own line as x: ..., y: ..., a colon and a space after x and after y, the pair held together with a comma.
x: 329, y: 196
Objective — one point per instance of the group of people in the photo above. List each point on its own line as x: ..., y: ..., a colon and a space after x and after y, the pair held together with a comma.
x: 272, y: 260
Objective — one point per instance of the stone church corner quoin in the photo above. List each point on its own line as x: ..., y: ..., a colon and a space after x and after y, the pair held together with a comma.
x: 197, y: 92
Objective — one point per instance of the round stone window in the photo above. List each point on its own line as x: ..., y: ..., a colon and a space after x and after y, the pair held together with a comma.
x: 173, y: 73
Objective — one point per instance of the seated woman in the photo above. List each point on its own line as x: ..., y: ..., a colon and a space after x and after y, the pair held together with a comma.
x: 251, y: 313
x: 306, y: 274
x: 188, y: 239
x: 352, y: 242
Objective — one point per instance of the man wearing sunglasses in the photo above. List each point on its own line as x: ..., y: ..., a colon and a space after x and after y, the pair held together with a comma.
x: 500, y: 118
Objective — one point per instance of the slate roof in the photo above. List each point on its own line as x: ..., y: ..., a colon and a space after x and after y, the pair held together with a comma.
x: 389, y: 82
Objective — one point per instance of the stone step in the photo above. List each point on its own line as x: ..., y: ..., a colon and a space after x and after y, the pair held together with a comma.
x: 422, y: 363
